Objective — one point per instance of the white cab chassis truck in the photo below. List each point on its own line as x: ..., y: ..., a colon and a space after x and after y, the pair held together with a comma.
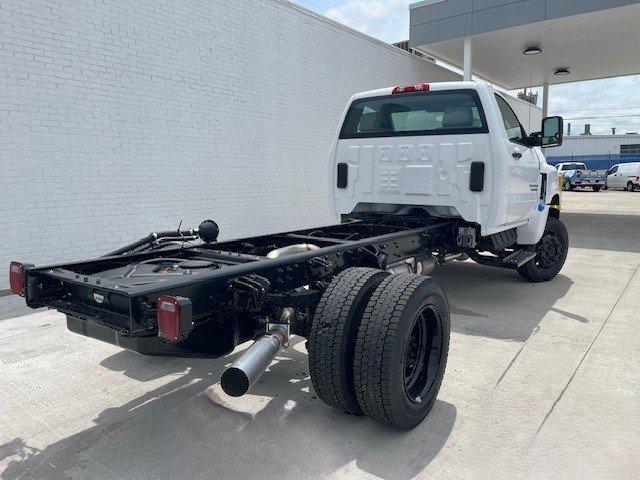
x: 420, y: 175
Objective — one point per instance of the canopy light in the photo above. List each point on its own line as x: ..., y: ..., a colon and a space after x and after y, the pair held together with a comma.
x: 562, y: 71
x: 532, y: 51
x: 421, y: 87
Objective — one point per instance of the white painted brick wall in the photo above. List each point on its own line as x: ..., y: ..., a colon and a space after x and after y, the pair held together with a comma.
x: 118, y: 118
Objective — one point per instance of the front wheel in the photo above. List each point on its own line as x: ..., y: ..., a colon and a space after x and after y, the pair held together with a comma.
x: 630, y: 187
x: 567, y: 186
x: 596, y: 188
x: 551, y: 253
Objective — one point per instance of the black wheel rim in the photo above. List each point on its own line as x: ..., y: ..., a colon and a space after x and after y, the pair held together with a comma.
x: 549, y: 250
x: 422, y: 354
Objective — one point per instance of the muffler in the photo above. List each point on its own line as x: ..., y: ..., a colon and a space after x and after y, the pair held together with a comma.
x: 424, y: 266
x: 245, y: 372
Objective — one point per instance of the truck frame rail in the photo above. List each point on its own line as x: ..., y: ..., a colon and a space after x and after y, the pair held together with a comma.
x: 227, y: 284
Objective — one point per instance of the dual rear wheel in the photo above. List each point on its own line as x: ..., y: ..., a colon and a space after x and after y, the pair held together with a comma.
x: 378, y: 345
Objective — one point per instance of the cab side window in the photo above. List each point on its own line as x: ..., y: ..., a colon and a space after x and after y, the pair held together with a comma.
x: 613, y: 170
x: 512, y: 125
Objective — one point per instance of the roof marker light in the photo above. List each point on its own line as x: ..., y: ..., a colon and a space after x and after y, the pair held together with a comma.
x: 420, y: 87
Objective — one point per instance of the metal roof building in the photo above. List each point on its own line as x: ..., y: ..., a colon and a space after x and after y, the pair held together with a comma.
x: 597, y: 151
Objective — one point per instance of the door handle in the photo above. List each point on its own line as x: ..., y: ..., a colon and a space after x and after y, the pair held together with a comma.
x: 517, y: 155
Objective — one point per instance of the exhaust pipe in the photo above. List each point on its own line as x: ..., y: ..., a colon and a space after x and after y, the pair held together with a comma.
x: 424, y: 266
x: 245, y: 372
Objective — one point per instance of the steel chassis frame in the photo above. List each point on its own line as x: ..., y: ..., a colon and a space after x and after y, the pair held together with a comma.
x: 231, y: 302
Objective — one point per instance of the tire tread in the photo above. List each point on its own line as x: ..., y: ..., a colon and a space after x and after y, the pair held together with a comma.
x: 333, y: 333
x: 377, y: 336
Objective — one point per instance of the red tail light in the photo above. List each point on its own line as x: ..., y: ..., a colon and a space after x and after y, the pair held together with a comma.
x: 175, y: 318
x: 16, y: 278
x: 420, y: 87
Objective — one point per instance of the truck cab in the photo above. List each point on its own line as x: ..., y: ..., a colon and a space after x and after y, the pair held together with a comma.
x: 454, y: 150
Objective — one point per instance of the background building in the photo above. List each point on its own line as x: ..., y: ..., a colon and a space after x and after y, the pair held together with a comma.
x: 597, y: 151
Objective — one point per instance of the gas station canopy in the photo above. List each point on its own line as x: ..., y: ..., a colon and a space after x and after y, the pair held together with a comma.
x: 525, y: 43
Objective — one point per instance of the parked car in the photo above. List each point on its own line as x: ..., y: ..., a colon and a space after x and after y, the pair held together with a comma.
x: 576, y: 174
x: 625, y: 176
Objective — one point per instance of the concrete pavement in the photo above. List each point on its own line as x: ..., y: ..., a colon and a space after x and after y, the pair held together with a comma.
x: 543, y: 381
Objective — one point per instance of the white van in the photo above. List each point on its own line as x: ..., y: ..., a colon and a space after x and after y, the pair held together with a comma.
x: 625, y: 176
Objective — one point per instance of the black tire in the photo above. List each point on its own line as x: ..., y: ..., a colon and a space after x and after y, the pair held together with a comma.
x: 597, y: 188
x: 389, y: 388
x: 333, y: 335
x: 567, y: 186
x: 630, y: 187
x: 552, y: 251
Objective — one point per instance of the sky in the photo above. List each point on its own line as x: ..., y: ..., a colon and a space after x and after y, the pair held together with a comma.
x: 602, y: 103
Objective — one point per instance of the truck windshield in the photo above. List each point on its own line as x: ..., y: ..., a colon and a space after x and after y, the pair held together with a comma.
x: 421, y: 113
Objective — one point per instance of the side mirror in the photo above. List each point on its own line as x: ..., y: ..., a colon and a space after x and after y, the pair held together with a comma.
x: 552, y: 132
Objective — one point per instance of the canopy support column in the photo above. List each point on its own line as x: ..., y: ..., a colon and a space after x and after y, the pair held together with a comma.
x: 467, y: 60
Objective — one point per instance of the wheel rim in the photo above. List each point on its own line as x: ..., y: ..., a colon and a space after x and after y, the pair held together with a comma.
x: 422, y: 354
x: 549, y: 250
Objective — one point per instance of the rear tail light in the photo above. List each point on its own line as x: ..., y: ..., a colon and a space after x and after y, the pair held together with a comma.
x: 175, y: 318
x: 16, y: 278
x: 420, y: 87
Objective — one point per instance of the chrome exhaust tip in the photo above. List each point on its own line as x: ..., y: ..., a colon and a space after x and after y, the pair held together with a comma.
x: 238, y: 379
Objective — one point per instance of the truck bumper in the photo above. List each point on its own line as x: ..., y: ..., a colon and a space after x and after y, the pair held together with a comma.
x: 147, y: 345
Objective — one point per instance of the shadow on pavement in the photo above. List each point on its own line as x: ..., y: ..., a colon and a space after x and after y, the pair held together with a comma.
x: 620, y: 233
x: 498, y: 303
x: 185, y: 429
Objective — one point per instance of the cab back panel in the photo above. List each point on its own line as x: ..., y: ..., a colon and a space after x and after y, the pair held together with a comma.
x: 422, y: 171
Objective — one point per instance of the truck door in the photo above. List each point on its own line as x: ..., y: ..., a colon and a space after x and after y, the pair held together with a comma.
x: 524, y: 167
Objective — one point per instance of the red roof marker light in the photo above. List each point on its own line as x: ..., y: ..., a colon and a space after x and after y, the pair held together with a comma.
x: 420, y: 87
